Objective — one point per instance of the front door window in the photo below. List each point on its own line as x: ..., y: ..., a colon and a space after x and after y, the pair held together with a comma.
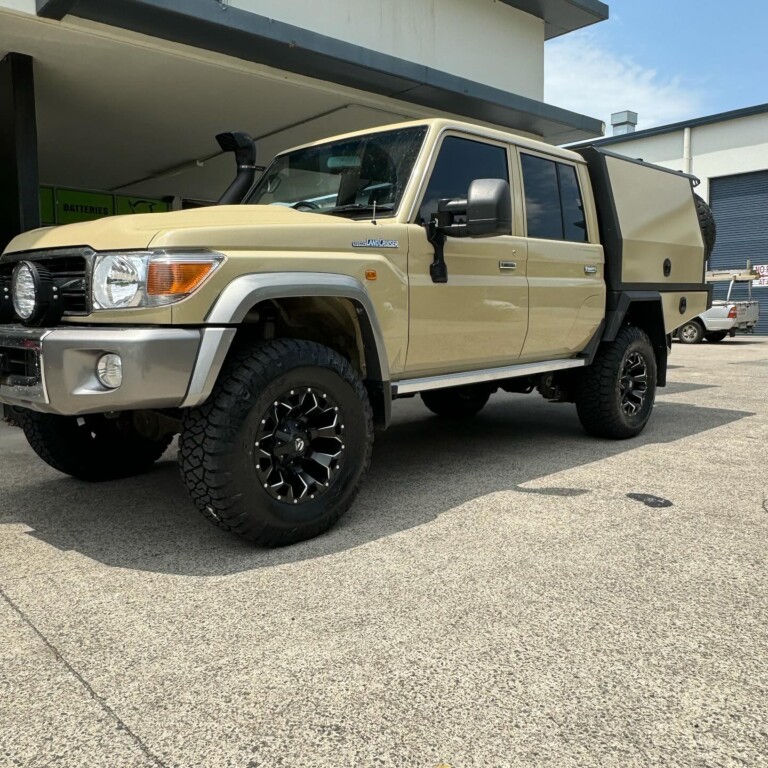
x: 459, y: 163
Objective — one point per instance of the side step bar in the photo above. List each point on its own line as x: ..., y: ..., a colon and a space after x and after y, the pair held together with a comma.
x: 410, y: 386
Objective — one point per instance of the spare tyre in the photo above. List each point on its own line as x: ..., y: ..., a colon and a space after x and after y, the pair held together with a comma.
x: 707, y: 224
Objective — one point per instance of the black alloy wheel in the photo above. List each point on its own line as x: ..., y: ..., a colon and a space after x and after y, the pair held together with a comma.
x: 615, y: 395
x: 279, y: 451
x: 633, y: 386
x: 300, y: 445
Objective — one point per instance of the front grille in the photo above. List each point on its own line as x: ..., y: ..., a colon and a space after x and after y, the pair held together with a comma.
x: 19, y: 366
x: 69, y: 272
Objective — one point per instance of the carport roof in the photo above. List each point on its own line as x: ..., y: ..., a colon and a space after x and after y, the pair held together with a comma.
x: 256, y: 38
x: 563, y: 16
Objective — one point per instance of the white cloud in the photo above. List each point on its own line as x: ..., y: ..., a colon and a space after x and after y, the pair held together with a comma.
x: 582, y: 76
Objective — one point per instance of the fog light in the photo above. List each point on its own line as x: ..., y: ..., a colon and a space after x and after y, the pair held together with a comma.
x: 109, y: 371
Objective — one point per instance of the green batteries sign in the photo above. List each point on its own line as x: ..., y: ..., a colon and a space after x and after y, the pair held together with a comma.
x: 69, y: 206
x: 73, y: 206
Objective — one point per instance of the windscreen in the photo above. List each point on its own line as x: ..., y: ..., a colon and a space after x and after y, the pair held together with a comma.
x: 346, y: 177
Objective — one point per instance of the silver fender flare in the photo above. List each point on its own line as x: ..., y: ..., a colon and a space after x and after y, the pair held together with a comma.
x: 243, y: 293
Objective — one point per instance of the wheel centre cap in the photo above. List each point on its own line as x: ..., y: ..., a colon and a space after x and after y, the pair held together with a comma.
x: 295, y: 440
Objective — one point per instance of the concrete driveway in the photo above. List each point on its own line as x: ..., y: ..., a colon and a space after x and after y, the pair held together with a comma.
x: 494, y: 598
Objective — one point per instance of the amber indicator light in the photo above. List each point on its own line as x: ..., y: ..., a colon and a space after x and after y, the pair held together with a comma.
x: 176, y: 278
x: 371, y: 274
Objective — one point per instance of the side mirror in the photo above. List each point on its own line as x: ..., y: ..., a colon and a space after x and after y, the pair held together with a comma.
x: 486, y: 212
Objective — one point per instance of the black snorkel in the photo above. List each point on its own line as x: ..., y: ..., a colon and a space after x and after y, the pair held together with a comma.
x: 245, y: 154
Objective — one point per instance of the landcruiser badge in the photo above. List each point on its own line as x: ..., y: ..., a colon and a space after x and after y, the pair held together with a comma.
x: 375, y: 244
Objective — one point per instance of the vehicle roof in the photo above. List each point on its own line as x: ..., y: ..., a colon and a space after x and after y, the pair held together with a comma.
x: 438, y: 125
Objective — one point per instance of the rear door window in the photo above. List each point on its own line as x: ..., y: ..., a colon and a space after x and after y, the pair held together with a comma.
x: 553, y: 202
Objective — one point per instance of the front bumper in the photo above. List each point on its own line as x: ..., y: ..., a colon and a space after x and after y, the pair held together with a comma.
x: 54, y: 370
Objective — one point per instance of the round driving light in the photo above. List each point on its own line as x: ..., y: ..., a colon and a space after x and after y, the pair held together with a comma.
x: 24, y: 286
x: 109, y: 371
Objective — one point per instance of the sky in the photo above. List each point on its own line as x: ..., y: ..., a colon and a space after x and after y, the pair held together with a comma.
x: 667, y: 60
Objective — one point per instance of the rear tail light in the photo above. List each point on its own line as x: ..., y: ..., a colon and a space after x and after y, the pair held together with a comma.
x: 732, y: 313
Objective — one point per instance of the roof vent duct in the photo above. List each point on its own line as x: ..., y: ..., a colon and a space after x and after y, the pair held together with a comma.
x: 624, y: 122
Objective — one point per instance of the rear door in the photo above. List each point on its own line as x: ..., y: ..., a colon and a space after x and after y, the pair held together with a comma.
x: 565, y: 261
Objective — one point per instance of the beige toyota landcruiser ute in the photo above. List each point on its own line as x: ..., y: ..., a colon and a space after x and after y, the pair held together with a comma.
x: 272, y: 332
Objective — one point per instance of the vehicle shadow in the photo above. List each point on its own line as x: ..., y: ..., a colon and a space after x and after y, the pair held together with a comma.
x: 422, y: 467
x: 683, y: 387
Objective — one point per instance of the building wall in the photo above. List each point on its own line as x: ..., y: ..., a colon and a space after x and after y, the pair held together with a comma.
x: 483, y: 40
x: 718, y: 149
x: 25, y: 6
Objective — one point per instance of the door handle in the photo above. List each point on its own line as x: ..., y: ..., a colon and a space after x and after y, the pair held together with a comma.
x: 590, y: 270
x: 510, y: 265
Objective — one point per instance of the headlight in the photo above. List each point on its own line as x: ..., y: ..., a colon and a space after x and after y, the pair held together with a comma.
x: 149, y: 278
x: 118, y: 280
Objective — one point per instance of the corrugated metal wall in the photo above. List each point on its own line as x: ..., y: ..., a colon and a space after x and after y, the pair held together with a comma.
x: 740, y: 205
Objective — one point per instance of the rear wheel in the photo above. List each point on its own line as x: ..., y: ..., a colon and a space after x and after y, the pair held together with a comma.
x: 691, y: 332
x: 716, y: 336
x: 279, y: 451
x: 456, y: 402
x: 615, y: 395
x: 92, y: 447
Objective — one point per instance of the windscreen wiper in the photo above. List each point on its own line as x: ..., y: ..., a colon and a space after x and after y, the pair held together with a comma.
x: 359, y: 208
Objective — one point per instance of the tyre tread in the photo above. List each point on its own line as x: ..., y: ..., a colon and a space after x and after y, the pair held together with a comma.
x: 595, y: 400
x: 207, y: 430
x: 112, y: 457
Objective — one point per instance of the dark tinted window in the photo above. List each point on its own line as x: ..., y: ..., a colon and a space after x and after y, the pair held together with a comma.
x: 553, y: 202
x: 574, y: 223
x: 459, y: 163
x: 542, y: 198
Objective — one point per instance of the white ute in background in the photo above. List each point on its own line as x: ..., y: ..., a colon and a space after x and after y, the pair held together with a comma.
x: 726, y: 317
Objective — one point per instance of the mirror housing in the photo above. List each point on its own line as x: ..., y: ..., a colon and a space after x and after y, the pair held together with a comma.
x: 486, y: 212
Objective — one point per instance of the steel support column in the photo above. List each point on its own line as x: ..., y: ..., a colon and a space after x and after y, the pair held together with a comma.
x: 19, y: 178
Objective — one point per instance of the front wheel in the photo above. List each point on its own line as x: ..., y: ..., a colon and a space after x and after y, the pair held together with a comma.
x: 279, y: 451
x: 716, y: 336
x: 691, y: 332
x: 615, y: 395
x: 93, y: 447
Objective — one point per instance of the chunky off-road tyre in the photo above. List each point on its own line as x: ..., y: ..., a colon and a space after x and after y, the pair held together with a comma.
x: 92, y: 448
x: 707, y: 224
x: 456, y: 402
x: 615, y: 395
x: 278, y: 452
x: 716, y: 336
x: 691, y: 332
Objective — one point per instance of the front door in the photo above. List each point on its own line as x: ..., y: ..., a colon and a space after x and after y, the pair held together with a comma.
x: 478, y: 319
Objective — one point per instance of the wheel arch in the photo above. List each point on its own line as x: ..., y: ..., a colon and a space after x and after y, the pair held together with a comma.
x: 351, y: 325
x: 643, y: 309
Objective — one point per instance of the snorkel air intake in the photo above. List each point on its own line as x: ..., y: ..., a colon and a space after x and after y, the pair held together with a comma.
x: 245, y: 154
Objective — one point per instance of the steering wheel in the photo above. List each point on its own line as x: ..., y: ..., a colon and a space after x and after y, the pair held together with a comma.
x: 305, y: 205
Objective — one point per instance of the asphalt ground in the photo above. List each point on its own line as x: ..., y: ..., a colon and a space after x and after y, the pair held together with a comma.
x: 494, y: 598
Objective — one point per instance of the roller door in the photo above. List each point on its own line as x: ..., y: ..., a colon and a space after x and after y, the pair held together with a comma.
x: 740, y: 206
